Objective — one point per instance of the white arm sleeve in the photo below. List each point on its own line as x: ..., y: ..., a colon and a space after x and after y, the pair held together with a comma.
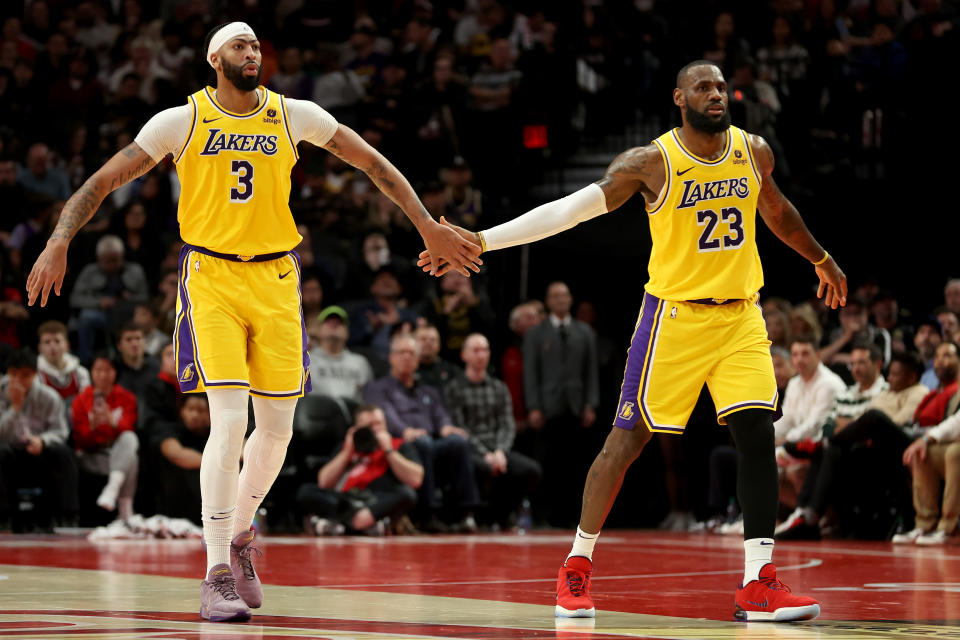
x: 165, y: 132
x: 547, y: 219
x: 310, y: 122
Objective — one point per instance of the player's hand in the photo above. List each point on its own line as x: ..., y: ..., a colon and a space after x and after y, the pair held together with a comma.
x: 833, y: 283
x: 917, y: 450
x: 465, y: 244
x: 47, y: 272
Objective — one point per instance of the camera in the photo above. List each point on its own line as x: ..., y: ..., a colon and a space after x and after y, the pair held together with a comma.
x: 364, y: 440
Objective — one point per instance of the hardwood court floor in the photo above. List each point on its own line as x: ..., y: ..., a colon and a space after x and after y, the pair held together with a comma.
x: 647, y: 584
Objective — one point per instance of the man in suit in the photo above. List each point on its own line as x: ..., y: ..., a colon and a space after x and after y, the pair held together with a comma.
x: 561, y: 389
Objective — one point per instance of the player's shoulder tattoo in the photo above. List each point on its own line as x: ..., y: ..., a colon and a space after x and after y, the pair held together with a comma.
x: 637, y: 162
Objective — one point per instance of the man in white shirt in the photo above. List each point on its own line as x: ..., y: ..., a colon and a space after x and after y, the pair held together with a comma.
x: 810, y: 395
x: 334, y: 370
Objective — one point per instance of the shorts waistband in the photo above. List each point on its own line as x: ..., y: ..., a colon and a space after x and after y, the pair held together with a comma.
x: 716, y: 301
x: 233, y: 257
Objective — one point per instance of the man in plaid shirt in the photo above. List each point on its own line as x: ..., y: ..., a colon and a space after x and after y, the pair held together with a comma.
x: 481, y: 405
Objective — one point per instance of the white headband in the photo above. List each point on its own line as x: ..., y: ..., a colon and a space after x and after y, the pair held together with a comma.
x: 225, y: 35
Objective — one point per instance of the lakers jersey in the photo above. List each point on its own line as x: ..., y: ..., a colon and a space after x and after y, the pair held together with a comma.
x: 703, y: 224
x: 234, y: 172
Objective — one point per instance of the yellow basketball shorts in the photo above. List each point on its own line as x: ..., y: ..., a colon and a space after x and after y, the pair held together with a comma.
x: 679, y: 346
x: 240, y: 324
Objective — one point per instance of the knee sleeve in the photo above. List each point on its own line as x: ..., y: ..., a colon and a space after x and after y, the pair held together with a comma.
x: 274, y: 418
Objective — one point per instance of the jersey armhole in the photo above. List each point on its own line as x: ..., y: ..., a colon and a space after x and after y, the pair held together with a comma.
x: 653, y: 208
x: 753, y: 162
x: 193, y: 127
x: 286, y: 126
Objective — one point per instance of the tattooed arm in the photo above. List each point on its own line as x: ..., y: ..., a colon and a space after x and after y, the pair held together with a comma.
x: 441, y: 241
x: 48, y: 271
x: 783, y: 219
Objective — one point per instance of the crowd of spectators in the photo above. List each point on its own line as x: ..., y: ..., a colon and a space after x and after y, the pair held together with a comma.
x: 437, y: 409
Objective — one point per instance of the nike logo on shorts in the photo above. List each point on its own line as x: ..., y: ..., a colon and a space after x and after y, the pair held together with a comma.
x: 284, y: 275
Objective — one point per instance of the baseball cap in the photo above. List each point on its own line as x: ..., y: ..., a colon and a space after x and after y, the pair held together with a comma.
x: 333, y: 310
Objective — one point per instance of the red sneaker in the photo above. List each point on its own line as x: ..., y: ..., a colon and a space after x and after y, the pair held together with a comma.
x: 768, y: 599
x: 573, y: 589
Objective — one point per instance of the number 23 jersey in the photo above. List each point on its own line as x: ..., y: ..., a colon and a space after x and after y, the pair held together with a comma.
x: 234, y: 169
x: 703, y: 224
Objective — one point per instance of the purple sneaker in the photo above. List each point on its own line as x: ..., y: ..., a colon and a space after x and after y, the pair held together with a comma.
x: 219, y: 600
x: 248, y: 582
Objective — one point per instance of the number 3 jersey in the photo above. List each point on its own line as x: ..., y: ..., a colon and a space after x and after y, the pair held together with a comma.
x: 703, y: 224
x: 234, y: 168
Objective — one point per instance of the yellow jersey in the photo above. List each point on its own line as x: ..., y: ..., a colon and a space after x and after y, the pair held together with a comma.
x: 703, y: 224
x: 234, y: 172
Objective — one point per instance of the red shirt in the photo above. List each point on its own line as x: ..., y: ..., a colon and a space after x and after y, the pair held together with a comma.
x: 933, y: 408
x: 123, y: 407
x: 368, y: 468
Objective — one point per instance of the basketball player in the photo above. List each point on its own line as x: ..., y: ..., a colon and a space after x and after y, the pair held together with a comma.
x: 239, y: 328
x: 699, y: 321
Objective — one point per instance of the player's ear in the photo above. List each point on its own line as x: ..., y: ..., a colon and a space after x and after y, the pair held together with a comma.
x: 678, y: 98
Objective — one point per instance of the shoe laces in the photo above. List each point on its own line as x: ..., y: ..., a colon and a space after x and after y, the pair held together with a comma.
x: 775, y: 584
x: 226, y: 586
x: 246, y: 564
x: 577, y: 583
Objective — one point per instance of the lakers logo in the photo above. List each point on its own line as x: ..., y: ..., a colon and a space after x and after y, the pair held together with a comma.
x: 626, y: 412
x: 187, y: 374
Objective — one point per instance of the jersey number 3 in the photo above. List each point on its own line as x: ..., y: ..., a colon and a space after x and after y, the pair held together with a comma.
x: 708, y: 219
x: 244, y: 189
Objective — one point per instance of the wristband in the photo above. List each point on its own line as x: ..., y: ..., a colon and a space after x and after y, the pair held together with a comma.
x: 483, y: 243
x: 822, y: 260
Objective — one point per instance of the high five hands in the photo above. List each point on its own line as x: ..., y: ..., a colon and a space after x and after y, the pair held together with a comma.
x: 433, y: 263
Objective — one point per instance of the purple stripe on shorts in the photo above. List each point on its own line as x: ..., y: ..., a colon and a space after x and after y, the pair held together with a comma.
x: 307, y: 385
x: 187, y: 373
x: 628, y: 410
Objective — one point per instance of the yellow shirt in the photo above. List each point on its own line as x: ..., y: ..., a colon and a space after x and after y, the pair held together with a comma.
x: 234, y: 172
x: 703, y: 224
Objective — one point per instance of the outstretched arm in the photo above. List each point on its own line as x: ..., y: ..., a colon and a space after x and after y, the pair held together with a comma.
x: 128, y: 164
x: 783, y: 219
x: 440, y: 241
x: 629, y: 173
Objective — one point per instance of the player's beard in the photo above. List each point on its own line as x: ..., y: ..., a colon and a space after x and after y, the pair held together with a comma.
x: 235, y: 75
x: 706, y: 123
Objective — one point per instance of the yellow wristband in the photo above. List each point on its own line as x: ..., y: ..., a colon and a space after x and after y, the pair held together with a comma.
x: 483, y: 243
x: 822, y: 260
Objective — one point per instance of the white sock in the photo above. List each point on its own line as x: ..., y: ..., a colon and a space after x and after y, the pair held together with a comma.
x: 108, y: 497
x: 757, y: 552
x: 583, y: 544
x: 263, y: 456
x: 219, y: 468
x: 217, y: 533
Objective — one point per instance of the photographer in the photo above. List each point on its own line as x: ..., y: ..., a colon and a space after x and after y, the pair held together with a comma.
x: 372, y: 478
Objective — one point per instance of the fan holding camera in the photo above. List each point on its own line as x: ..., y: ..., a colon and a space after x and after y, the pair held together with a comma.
x: 370, y: 482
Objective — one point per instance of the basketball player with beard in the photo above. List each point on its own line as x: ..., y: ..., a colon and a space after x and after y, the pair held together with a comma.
x: 699, y: 322
x: 239, y: 328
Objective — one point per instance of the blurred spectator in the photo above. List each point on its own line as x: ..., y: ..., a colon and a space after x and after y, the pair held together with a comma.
x: 104, y: 292
x: 375, y: 254
x: 440, y: 101
x: 810, y: 394
x: 13, y: 195
x: 561, y: 386
x: 180, y: 445
x: 12, y: 311
x: 932, y: 409
x: 523, y: 317
x: 886, y: 316
x: 174, y: 55
x: 434, y: 370
x: 334, y: 370
x: 77, y: 95
x: 291, y: 80
x: 35, y: 226
x: 146, y: 316
x: 58, y: 368
x: 783, y: 370
x: 166, y: 298
x: 419, y: 48
x: 93, y: 29
x: 803, y: 321
x: 926, y: 339
x: 361, y: 55
x: 371, y: 320
x: 127, y: 110
x: 33, y: 436
x: 104, y: 418
x: 144, y: 63
x: 336, y: 87
x: 457, y: 312
x: 725, y: 47
x: 481, y: 403
x: 311, y: 296
x: 416, y: 413
x: 855, y: 328
x: 371, y: 482
x: 41, y: 176
x: 785, y: 63
x: 142, y: 244
x: 37, y: 25
x: 778, y: 328
x: 951, y: 294
x: 462, y: 204
x: 949, y: 322
x: 136, y: 369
